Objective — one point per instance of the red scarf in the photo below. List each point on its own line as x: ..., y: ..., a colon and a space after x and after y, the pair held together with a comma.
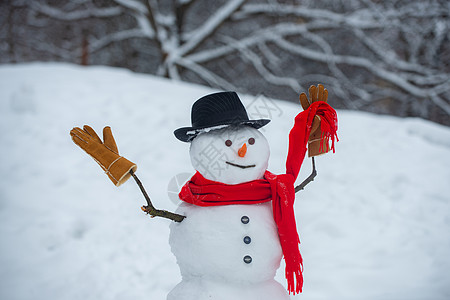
x: 278, y: 188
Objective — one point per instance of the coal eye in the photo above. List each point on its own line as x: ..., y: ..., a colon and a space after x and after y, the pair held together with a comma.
x: 228, y: 143
x: 251, y: 141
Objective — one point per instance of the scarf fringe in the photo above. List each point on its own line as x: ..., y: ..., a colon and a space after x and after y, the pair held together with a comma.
x: 329, y: 127
x: 294, y: 279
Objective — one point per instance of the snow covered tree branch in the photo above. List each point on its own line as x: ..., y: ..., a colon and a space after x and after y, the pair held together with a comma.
x: 382, y: 56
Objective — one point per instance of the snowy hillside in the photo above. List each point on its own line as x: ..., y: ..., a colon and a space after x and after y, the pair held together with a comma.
x: 375, y: 224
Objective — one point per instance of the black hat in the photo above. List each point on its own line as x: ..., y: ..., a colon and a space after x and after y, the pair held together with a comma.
x: 224, y: 108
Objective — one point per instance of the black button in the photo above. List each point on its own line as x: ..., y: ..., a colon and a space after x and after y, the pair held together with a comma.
x: 247, y: 259
x: 247, y: 240
x: 245, y: 220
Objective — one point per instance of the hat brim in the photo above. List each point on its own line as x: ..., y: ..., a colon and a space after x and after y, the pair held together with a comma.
x: 187, y: 134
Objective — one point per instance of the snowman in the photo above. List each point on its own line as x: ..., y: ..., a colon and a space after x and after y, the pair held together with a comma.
x: 236, y: 219
x: 225, y: 251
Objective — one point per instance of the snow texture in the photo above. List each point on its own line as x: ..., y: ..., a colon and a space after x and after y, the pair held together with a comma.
x: 374, y: 224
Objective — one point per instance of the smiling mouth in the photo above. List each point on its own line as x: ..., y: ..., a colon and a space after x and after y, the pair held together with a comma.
x: 240, y: 166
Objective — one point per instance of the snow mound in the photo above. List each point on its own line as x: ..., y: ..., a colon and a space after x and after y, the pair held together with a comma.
x: 374, y: 224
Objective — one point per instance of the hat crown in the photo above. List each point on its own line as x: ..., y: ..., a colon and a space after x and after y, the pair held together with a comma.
x: 218, y: 109
x: 223, y: 108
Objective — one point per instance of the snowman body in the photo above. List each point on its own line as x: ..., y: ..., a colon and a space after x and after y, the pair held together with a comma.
x: 228, y: 252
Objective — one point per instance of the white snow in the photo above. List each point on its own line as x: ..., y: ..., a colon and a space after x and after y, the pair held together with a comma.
x: 374, y: 224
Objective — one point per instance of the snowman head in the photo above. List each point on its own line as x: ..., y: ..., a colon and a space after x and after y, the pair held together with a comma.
x: 230, y: 155
x: 226, y: 145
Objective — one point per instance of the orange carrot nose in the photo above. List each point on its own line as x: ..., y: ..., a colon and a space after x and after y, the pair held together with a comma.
x: 242, y: 150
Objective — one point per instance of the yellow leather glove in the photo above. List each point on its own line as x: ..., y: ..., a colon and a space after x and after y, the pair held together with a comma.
x: 315, y: 94
x: 104, y: 153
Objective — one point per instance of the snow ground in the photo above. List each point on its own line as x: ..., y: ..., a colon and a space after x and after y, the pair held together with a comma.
x: 375, y: 224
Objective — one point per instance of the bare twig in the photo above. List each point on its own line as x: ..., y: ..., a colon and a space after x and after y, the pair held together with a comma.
x: 150, y: 209
x: 310, y: 178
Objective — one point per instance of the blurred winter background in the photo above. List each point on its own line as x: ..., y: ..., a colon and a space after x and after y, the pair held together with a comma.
x: 375, y: 224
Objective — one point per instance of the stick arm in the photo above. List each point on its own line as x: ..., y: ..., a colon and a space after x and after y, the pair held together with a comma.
x: 310, y: 178
x: 150, y: 209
